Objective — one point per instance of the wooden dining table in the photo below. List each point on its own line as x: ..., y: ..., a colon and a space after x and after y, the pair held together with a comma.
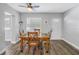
x: 23, y: 38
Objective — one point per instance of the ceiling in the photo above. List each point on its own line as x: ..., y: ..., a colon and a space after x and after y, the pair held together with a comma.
x: 45, y: 7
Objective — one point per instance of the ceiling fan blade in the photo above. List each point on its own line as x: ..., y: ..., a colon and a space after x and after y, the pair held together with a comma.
x: 35, y: 6
x: 21, y: 6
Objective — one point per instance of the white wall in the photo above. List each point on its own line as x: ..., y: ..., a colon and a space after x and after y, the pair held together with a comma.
x: 53, y: 19
x: 5, y: 8
x: 71, y: 26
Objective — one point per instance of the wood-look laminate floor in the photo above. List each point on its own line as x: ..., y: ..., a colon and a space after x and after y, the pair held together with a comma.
x: 58, y: 47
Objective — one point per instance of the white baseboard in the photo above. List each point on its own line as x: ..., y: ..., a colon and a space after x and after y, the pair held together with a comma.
x: 56, y: 39
x: 3, y: 50
x: 13, y: 42
x: 75, y: 46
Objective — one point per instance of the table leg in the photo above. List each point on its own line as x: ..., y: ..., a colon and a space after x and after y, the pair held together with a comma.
x: 21, y: 45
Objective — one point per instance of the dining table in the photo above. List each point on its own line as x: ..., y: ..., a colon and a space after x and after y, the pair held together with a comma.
x: 26, y: 38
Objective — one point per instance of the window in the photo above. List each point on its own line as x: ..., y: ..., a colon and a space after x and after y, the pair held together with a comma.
x: 8, y: 26
x: 33, y: 23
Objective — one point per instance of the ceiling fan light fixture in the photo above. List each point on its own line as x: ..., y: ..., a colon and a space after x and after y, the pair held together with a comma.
x: 29, y: 9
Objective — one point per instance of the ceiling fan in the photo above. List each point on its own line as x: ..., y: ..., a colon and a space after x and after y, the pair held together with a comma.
x: 29, y: 6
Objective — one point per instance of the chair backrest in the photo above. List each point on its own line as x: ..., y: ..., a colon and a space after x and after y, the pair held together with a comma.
x: 37, y: 30
x: 22, y: 34
x: 32, y: 35
x: 50, y: 33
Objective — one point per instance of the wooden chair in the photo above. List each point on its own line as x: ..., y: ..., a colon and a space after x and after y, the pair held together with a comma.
x: 33, y: 41
x: 22, y: 40
x: 47, y: 42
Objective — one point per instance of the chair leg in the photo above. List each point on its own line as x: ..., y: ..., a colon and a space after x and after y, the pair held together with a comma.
x: 28, y: 49
x: 34, y: 49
